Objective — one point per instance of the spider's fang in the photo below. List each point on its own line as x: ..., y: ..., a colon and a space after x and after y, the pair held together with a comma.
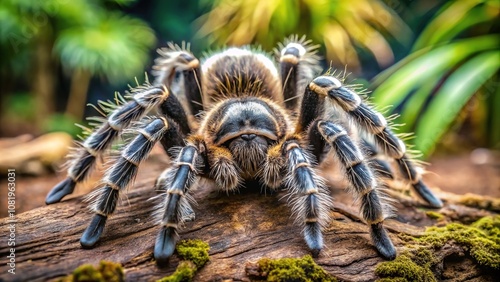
x: 62, y: 189
x: 382, y: 241
x: 94, y: 231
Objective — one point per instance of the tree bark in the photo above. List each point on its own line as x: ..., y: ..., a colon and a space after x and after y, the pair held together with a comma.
x: 240, y: 229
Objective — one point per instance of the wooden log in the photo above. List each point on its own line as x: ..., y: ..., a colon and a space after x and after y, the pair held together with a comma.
x: 240, y: 228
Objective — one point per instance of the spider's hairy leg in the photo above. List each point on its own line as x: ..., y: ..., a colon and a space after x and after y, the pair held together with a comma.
x: 176, y: 58
x: 374, y: 123
x: 172, y: 109
x: 379, y: 165
x: 144, y: 98
x: 223, y: 169
x: 310, y: 199
x: 362, y: 182
x: 298, y: 63
x: 119, y: 176
x: 175, y: 206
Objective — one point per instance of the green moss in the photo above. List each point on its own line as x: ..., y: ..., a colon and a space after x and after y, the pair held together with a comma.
x: 408, y: 266
x: 184, y: 273
x: 293, y: 269
x: 194, y: 254
x: 87, y: 272
x: 195, y: 251
x: 481, y: 239
x: 397, y: 279
x: 106, y: 271
x: 111, y: 271
x: 434, y: 215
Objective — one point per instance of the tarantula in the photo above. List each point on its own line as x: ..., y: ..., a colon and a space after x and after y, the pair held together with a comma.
x: 236, y: 118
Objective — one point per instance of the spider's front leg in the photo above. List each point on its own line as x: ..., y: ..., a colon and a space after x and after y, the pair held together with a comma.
x: 121, y: 174
x: 175, y: 206
x: 310, y: 199
x: 174, y: 59
x: 298, y: 64
x: 375, y: 124
x: 361, y: 178
x: 144, y: 98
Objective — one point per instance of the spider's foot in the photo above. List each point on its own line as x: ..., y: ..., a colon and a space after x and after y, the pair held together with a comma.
x: 92, y: 234
x: 62, y: 189
x: 382, y: 241
x: 427, y: 195
x: 313, y: 237
x: 165, y: 245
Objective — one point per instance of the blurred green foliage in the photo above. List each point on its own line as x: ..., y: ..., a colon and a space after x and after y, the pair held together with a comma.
x: 452, y: 61
x: 346, y: 28
x: 88, y: 38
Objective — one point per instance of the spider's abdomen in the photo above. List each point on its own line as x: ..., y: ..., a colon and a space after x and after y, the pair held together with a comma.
x: 238, y: 72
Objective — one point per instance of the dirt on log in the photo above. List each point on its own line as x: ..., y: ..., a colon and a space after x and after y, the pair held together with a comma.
x: 239, y: 228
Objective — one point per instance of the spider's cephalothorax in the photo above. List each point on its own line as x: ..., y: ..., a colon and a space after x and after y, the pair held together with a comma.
x: 235, y: 118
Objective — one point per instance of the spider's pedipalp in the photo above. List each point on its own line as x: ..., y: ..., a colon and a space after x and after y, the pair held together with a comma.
x: 176, y: 206
x: 224, y: 169
x: 272, y: 168
x: 375, y: 124
x: 143, y: 98
x: 309, y: 198
x: 119, y: 176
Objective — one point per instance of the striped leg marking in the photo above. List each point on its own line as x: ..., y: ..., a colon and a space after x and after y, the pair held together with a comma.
x: 311, y: 201
x: 374, y: 123
x: 298, y: 65
x: 176, y: 206
x: 363, y: 183
x: 119, y: 176
x: 174, y: 59
x: 144, y: 98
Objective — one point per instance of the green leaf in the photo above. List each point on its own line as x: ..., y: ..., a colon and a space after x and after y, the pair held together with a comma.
x: 460, y: 86
x: 446, y: 20
x: 422, y: 69
x: 413, y: 107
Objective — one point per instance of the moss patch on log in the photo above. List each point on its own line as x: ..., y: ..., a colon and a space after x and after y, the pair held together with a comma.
x: 411, y: 265
x: 194, y: 254
x: 481, y: 240
x: 106, y: 271
x: 292, y: 269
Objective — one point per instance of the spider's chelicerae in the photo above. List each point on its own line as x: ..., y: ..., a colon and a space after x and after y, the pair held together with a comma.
x: 238, y: 117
